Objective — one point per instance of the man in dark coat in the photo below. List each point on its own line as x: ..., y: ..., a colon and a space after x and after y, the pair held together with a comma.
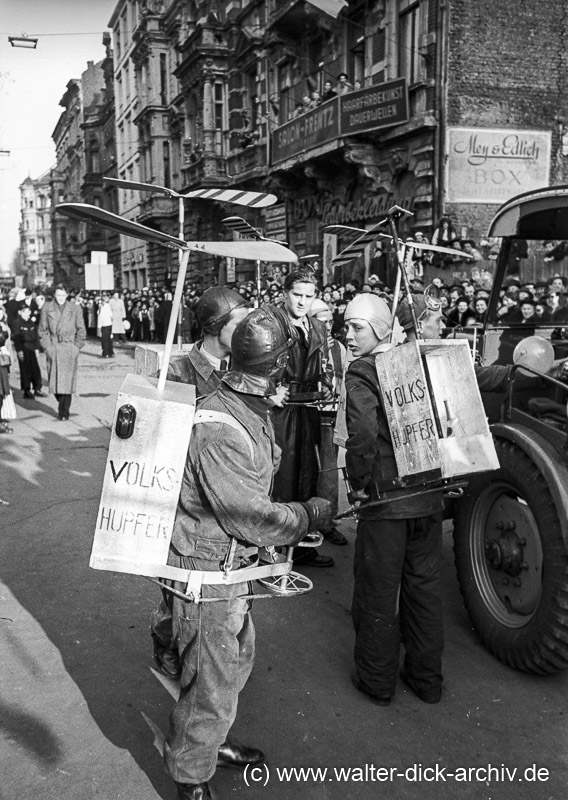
x: 297, y: 422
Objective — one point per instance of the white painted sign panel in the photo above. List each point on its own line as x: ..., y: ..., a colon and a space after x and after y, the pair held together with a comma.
x: 490, y: 165
x: 143, y: 476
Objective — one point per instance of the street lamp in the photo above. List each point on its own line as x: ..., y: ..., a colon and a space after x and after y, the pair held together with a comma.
x: 27, y: 42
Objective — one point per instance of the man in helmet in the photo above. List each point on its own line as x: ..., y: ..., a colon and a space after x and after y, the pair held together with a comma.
x: 218, y: 310
x: 224, y: 498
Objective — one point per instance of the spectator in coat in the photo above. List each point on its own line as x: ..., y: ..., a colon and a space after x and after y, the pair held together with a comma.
x: 118, y: 316
x: 62, y: 335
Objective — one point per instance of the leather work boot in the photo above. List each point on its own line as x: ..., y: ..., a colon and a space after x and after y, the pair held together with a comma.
x: 167, y: 661
x: 234, y: 755
x: 194, y: 791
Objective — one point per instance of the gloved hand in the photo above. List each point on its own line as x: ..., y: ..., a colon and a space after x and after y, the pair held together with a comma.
x: 320, y: 513
x: 358, y: 495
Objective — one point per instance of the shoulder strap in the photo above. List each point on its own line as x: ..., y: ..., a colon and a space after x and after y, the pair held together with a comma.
x: 220, y: 416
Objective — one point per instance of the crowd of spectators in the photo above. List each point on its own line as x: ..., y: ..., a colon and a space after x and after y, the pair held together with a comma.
x: 316, y: 98
x: 145, y: 312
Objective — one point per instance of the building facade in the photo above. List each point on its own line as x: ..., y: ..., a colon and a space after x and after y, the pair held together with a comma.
x: 35, y: 229
x: 445, y: 108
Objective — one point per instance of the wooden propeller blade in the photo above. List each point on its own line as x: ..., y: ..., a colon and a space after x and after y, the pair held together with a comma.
x: 343, y: 229
x: 248, y: 249
x: 128, y: 227
x: 436, y: 248
x: 239, y: 196
x: 142, y: 187
x: 251, y: 251
x: 241, y: 226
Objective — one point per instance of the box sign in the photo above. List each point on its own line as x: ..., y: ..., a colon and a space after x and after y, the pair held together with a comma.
x: 360, y: 111
x: 143, y: 476
x: 490, y: 165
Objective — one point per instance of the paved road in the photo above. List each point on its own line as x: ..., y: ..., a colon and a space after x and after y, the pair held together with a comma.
x: 78, y: 701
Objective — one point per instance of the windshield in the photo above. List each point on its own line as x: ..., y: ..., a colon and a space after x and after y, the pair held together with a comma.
x: 535, y: 285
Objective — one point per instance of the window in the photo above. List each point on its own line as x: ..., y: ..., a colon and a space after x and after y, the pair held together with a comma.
x: 163, y: 79
x: 167, y: 165
x: 412, y: 23
x: 219, y: 116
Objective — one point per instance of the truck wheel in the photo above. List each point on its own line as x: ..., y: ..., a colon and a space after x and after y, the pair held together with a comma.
x: 512, y: 564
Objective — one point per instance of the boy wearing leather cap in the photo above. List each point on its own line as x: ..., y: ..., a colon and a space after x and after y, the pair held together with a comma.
x: 225, y: 496
x: 397, y: 588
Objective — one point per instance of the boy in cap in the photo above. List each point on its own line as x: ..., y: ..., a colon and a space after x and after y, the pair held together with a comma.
x: 26, y: 342
x: 397, y: 590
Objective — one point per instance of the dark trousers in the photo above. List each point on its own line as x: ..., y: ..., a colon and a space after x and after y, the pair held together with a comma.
x: 64, y: 401
x: 106, y: 340
x: 397, y: 593
x: 216, y: 645
x: 297, y: 432
x: 30, y: 373
x: 328, y: 478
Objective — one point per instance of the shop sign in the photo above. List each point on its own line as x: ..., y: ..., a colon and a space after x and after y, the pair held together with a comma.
x: 490, y: 165
x: 309, y: 130
x: 275, y: 222
x: 374, y: 107
x: 364, y: 110
x: 370, y: 208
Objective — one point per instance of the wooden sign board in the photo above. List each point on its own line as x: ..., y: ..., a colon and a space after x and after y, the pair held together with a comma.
x: 466, y: 445
x: 148, y: 358
x: 409, y: 412
x: 143, y: 477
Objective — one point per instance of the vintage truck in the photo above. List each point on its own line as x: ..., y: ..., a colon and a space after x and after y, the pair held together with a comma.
x: 511, y: 526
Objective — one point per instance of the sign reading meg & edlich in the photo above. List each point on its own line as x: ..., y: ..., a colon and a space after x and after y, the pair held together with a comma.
x: 489, y: 165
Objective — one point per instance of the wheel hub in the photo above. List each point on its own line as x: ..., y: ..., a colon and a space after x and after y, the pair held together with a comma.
x: 506, y: 553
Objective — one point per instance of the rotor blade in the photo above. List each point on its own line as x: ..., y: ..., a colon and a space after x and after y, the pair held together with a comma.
x: 261, y: 250
x: 241, y: 226
x: 142, y: 187
x: 238, y: 196
x: 437, y: 248
x: 357, y: 247
x: 94, y: 214
x: 343, y: 229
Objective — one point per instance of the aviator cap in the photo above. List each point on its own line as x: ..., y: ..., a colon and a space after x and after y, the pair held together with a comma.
x: 372, y: 309
x: 214, y: 307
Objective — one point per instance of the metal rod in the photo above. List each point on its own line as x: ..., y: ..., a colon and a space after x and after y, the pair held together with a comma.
x: 181, y: 217
x: 173, y: 318
x: 393, y: 213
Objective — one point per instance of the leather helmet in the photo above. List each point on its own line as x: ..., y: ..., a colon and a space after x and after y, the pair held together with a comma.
x: 259, y: 350
x: 214, y: 307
